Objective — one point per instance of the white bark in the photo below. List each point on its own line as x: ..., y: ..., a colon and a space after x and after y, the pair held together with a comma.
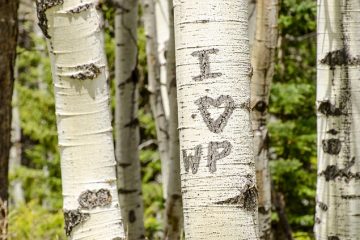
x: 174, y: 210
x: 162, y: 35
x: 126, y: 119
x: 76, y: 47
x: 216, y: 142
x: 338, y: 71
x: 156, y: 101
x: 262, y: 61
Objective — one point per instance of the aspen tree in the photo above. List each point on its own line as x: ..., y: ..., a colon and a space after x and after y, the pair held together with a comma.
x: 262, y: 61
x: 338, y: 71
x: 174, y: 210
x: 216, y: 141
x: 126, y: 119
x: 156, y: 102
x: 76, y: 47
x: 8, y: 38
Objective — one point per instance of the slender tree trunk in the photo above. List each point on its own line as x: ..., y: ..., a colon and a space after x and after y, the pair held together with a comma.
x: 156, y: 102
x: 338, y: 59
x: 174, y: 210
x: 216, y: 141
x: 8, y: 39
x: 126, y: 119
x: 262, y: 60
x: 252, y: 22
x: 75, y: 42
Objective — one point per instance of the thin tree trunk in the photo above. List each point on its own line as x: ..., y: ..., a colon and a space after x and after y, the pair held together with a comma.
x: 75, y: 42
x: 216, y: 141
x: 154, y: 88
x: 262, y: 60
x: 126, y: 119
x: 174, y: 209
x: 8, y: 39
x: 252, y: 22
x: 338, y: 71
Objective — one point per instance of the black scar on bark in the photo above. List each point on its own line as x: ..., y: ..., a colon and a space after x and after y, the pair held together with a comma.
x: 73, y: 218
x: 218, y: 125
x: 322, y: 206
x: 214, y: 155
x: 333, y: 238
x: 41, y: 7
x: 127, y: 191
x: 260, y: 106
x: 332, y: 172
x: 80, y: 8
x: 192, y: 161
x: 97, y: 198
x: 331, y: 146
x: 333, y: 131
x: 205, y: 72
x: 340, y: 57
x: 263, y: 210
x: 86, y: 71
x: 329, y: 109
x: 247, y: 198
x: 132, y: 216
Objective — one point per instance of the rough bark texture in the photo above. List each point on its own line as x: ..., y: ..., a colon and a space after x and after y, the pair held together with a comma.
x: 262, y: 61
x: 8, y: 38
x: 338, y: 197
x: 154, y: 87
x: 216, y: 141
x: 76, y: 48
x: 126, y: 119
x: 174, y: 210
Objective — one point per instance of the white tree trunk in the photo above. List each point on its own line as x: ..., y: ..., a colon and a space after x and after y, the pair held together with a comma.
x: 126, y: 119
x: 76, y: 47
x: 262, y: 61
x: 338, y: 59
x: 216, y: 141
x: 162, y: 35
x: 157, y: 106
x: 174, y: 210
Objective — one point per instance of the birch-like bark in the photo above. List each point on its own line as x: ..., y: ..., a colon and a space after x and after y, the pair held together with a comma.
x: 216, y: 141
x: 338, y: 71
x: 252, y: 22
x: 157, y: 106
x: 126, y: 119
x: 262, y: 61
x: 174, y: 209
x: 162, y: 36
x: 8, y: 38
x: 76, y: 47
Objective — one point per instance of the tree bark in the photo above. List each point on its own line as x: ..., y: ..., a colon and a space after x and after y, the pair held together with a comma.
x: 174, y: 209
x: 126, y: 119
x: 76, y: 47
x: 338, y: 70
x: 156, y: 102
x: 216, y: 141
x: 8, y: 39
x: 262, y: 60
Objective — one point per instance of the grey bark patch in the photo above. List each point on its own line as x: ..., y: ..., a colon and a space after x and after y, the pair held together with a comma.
x: 73, y: 218
x: 263, y: 210
x: 86, y: 71
x: 80, y: 8
x: 322, y: 206
x: 41, y: 7
x: 214, y: 155
x: 332, y: 172
x: 333, y: 238
x: 132, y: 216
x: 247, y: 198
x: 340, y: 57
x: 192, y: 161
x: 216, y: 126
x: 97, y: 198
x: 331, y: 146
x: 329, y: 109
x: 260, y: 106
x: 205, y: 72
x: 317, y: 220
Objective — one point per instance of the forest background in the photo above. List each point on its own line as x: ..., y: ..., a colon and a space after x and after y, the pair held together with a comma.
x: 35, y: 169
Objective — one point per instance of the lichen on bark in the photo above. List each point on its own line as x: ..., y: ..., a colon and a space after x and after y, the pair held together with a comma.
x: 42, y: 6
x: 74, y: 218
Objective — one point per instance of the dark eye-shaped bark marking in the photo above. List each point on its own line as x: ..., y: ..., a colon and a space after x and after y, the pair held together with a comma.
x: 205, y: 72
x: 214, y: 155
x: 216, y: 126
x: 191, y: 161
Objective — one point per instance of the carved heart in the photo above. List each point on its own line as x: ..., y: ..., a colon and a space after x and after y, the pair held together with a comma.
x: 219, y: 124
